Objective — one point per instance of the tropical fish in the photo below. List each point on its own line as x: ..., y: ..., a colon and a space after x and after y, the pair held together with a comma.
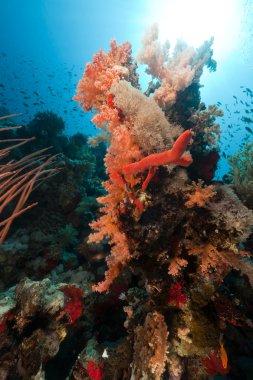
x: 224, y: 356
x: 249, y: 130
x: 247, y: 119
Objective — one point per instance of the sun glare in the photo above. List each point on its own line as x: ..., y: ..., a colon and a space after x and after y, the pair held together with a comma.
x: 198, y: 20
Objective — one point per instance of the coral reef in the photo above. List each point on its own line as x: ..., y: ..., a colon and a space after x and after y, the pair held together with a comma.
x: 157, y: 283
x: 173, y: 233
x: 34, y: 319
x: 53, y: 235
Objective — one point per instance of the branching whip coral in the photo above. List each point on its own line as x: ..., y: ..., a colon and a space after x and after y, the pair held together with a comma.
x: 19, y: 178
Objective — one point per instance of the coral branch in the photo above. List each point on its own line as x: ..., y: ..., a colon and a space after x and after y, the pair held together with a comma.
x: 171, y: 156
x: 19, y: 178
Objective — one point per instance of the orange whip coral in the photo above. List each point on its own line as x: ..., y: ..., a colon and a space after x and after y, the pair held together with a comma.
x: 19, y: 178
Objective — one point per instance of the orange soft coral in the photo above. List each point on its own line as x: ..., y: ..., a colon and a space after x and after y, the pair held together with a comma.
x: 108, y: 225
x: 106, y: 69
x: 176, y: 265
x: 93, y: 92
x: 200, y: 195
x: 213, y: 260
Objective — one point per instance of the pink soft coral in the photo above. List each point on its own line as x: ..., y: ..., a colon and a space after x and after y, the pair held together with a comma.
x: 177, y: 72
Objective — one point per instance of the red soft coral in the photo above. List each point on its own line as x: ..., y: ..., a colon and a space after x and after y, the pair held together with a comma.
x: 74, y: 302
x: 94, y: 372
x: 213, y: 365
x: 176, y: 297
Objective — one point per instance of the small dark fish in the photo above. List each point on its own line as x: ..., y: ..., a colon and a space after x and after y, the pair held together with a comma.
x: 237, y: 112
x: 241, y: 102
x: 247, y: 111
x: 224, y: 155
x: 1, y: 85
x: 234, y: 97
x: 247, y: 119
x: 249, y: 130
x: 22, y: 92
x: 36, y: 93
x: 247, y: 104
x: 25, y: 104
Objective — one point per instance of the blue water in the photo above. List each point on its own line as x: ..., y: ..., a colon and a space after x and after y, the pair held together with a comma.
x: 45, y: 45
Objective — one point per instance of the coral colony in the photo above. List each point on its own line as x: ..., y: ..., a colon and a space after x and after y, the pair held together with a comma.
x: 168, y: 256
